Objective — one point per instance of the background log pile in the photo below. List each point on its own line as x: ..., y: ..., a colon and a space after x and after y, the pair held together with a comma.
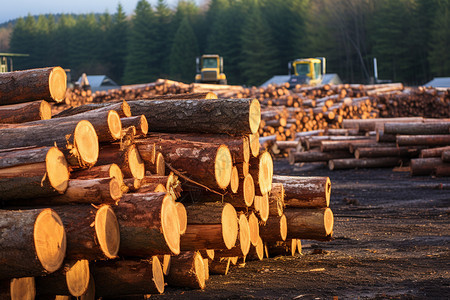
x: 93, y: 205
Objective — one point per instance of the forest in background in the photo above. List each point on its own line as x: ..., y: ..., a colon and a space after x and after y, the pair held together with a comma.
x: 257, y: 39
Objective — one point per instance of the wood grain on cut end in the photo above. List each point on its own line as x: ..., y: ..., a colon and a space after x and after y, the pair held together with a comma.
x: 328, y: 221
x: 135, y: 163
x: 116, y: 172
x: 114, y: 124
x: 199, y: 268
x: 107, y: 231
x: 299, y: 246
x: 234, y: 181
x: 265, y: 173
x: 90, y: 292
x: 170, y: 224
x: 86, y: 142
x: 264, y: 207
x: 328, y: 191
x: 249, y: 190
x: 166, y: 260
x: 159, y: 166
x: 223, y: 166
x: 143, y: 125
x: 49, y: 240
x: 259, y: 248
x: 244, y: 234
x: 254, y: 228
x: 115, y: 189
x: 254, y: 115
x: 126, y: 110
x: 182, y: 217
x: 254, y: 144
x: 77, y: 278
x: 45, y: 110
x: 22, y: 288
x: 211, y: 95
x: 57, y: 169
x: 57, y: 84
x: 283, y: 227
x: 229, y: 225
x: 159, y: 188
x: 246, y: 148
x: 158, y: 274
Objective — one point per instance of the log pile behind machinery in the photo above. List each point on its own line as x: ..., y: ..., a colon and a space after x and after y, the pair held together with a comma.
x: 102, y: 208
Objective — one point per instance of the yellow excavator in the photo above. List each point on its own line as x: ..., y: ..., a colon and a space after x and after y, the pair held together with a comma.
x: 309, y: 71
x: 210, y: 69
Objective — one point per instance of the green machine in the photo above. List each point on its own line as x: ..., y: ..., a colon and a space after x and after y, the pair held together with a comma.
x: 6, y: 62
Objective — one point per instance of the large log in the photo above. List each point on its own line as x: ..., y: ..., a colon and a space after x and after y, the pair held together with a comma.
x: 149, y: 225
x: 233, y: 116
x: 331, y: 146
x: 305, y: 192
x: 25, y: 112
x: 18, y: 289
x: 127, y: 277
x: 276, y: 199
x: 35, y: 84
x: 353, y: 163
x: 208, y: 164
x: 77, y: 139
x: 139, y: 122
x: 368, y: 152
x: 187, y: 270
x: 92, y: 233
x: 122, y: 108
x: 202, y: 95
x: 423, y: 140
x: 428, y: 166
x: 210, y: 226
x: 45, y: 175
x: 129, y: 159
x: 315, y: 224
x: 315, y: 156
x: 433, y: 152
x: 32, y: 243
x: 71, y: 279
x: 274, y: 230
x: 261, y: 169
x: 242, y: 245
x: 417, y: 128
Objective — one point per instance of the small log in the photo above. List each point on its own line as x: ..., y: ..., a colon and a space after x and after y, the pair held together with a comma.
x: 253, y: 223
x: 220, y: 266
x: 231, y: 116
x: 261, y: 204
x: 427, y: 166
x: 261, y: 169
x: 91, y: 233
x: 139, y: 122
x: 331, y: 146
x: 314, y: 156
x: 202, y: 95
x: 423, y: 140
x: 182, y: 217
x: 72, y: 279
x: 353, y: 163
x: 45, y: 175
x: 433, y: 152
x: 242, y: 245
x: 25, y: 112
x: 383, y: 137
x: 127, y: 277
x: 287, y: 247
x: 132, y: 184
x: 158, y: 167
x: 170, y: 182
x: 369, y: 152
x: 305, y: 192
x: 18, y: 289
x: 35, y: 84
x: 149, y: 225
x: 254, y: 143
x: 128, y: 159
x: 166, y: 261
x: 256, y: 251
x: 417, y: 128
x: 208, y: 164
x: 187, y: 270
x: 276, y: 199
x: 275, y: 229
x: 122, y: 108
x: 33, y: 243
x: 371, y: 124
x: 315, y: 224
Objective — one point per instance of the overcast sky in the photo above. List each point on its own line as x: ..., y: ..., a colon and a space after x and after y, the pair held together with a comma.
x: 11, y: 9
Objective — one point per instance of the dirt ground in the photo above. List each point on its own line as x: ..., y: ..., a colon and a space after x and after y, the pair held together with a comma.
x: 391, y: 241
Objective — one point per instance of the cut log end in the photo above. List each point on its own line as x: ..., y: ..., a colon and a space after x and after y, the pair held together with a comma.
x: 115, y: 189
x: 246, y: 148
x: 107, y: 231
x: 328, y: 191
x: 143, y: 125
x: 170, y: 224
x: 223, y: 166
x: 259, y: 247
x: 264, y: 207
x: 283, y: 227
x: 57, y: 83
x: 127, y: 110
x: 328, y: 221
x: 182, y: 217
x: 135, y: 163
x: 86, y: 142
x: 249, y: 190
x: 160, y: 165
x: 114, y: 124
x: 57, y: 169
x: 254, y: 115
x: 229, y: 225
x: 254, y: 144
x: 45, y: 110
x: 254, y: 229
x: 158, y: 274
x: 77, y: 278
x: 49, y: 240
x: 234, y: 182
x: 265, y: 173
x: 22, y: 288
x: 199, y: 268
x: 244, y: 234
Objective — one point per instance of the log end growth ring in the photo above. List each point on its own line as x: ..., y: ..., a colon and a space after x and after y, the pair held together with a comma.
x: 86, y: 142
x: 158, y: 274
x: 57, y: 169
x: 328, y: 221
x: 49, y: 240
x: 77, y: 278
x: 328, y: 191
x: 135, y: 162
x: 255, y: 115
x: 265, y: 173
x: 45, y: 110
x: 223, y: 166
x: 182, y: 217
x: 283, y: 227
x: 57, y: 84
x: 229, y: 225
x: 22, y: 288
x: 115, y: 189
x: 244, y: 234
x: 170, y: 224
x: 253, y: 222
x: 234, y: 181
x: 199, y: 268
x: 107, y: 231
x: 114, y: 124
x: 249, y: 190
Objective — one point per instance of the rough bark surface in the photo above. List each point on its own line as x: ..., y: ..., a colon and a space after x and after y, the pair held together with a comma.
x: 26, y: 112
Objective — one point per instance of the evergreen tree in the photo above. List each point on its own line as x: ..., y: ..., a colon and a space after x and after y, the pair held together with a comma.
x: 59, y: 50
x: 162, y: 38
x: 183, y: 53
x: 439, y: 56
x: 117, y: 41
x: 23, y: 41
x: 42, y: 43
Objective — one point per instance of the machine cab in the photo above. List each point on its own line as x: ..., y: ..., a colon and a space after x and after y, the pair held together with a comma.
x: 210, y: 69
x: 308, y: 71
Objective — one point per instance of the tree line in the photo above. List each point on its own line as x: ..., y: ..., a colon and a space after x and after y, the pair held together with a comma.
x: 257, y: 39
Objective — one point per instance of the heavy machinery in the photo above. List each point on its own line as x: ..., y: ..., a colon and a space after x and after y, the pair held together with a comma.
x: 309, y: 71
x: 210, y: 69
x: 4, y: 61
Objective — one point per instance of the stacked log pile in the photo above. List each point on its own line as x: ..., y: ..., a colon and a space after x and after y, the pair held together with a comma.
x: 94, y: 206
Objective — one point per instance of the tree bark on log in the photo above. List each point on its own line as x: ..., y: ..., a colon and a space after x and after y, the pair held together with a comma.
x: 46, y: 175
x: 25, y: 112
x: 287, y: 247
x: 331, y: 146
x: 231, y: 116
x: 92, y: 233
x: 433, y: 152
x: 423, y: 140
x: 220, y: 266
x: 122, y: 108
x: 261, y: 169
x: 305, y: 192
x: 353, y: 163
x: 187, y: 270
x: 314, y: 224
x: 101, y: 171
x: 370, y: 124
x: 32, y: 243
x: 315, y: 156
x: 149, y: 225
x: 71, y: 279
x: 35, y: 84
x: 129, y: 159
x: 417, y: 128
x: 127, y: 277
x: 18, y: 289
x: 208, y: 164
x: 275, y: 229
x: 170, y: 182
x: 78, y: 140
x: 369, y: 152
x: 202, y: 95
x: 139, y: 122
x: 256, y: 251
x: 427, y: 166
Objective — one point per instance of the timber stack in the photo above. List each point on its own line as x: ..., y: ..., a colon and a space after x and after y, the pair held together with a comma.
x: 104, y: 208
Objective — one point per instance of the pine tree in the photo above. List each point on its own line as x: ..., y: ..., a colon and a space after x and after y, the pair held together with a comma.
x: 117, y: 41
x: 162, y: 38
x: 23, y: 41
x: 439, y: 56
